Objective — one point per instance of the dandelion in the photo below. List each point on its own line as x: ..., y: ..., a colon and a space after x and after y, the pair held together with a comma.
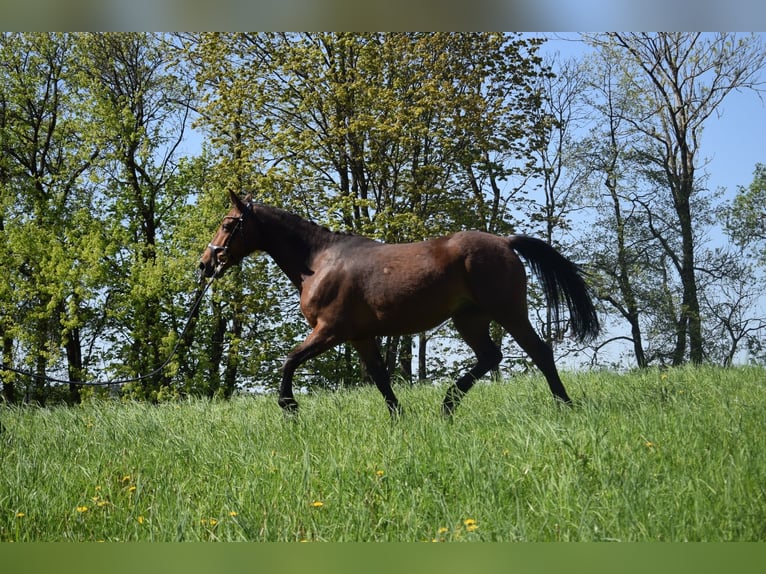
x: 213, y: 522
x: 379, y: 473
x: 442, y: 530
x: 470, y: 524
x: 82, y: 509
x: 140, y: 519
x: 233, y: 513
x: 317, y: 504
x: 649, y: 444
x: 132, y: 488
x: 20, y: 515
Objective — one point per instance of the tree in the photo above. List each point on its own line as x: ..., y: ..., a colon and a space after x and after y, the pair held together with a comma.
x: 684, y: 78
x: 48, y: 227
x: 140, y: 109
x: 615, y: 242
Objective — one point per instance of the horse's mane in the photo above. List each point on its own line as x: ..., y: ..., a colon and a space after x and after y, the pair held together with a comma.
x: 296, y: 221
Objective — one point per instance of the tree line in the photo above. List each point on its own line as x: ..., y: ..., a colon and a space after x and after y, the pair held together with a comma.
x: 105, y: 205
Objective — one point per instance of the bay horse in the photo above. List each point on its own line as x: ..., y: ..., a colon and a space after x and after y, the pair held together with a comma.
x: 354, y: 289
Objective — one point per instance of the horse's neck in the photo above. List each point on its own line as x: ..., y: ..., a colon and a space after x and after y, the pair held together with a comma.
x: 293, y: 243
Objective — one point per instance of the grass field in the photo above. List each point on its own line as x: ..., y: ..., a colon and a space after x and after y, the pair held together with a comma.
x: 657, y: 455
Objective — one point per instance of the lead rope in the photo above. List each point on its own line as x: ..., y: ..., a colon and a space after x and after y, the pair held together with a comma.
x: 190, y: 318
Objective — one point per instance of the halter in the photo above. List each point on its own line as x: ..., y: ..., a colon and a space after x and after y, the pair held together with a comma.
x: 218, y: 249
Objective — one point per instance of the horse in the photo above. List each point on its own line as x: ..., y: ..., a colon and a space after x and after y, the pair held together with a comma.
x: 354, y: 289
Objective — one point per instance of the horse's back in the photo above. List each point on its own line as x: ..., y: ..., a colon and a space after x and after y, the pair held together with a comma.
x: 372, y: 288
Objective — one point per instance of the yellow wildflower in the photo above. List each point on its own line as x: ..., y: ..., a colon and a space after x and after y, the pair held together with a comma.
x: 140, y: 519
x: 82, y: 509
x: 20, y: 515
x: 317, y: 504
x: 233, y: 513
x: 379, y: 472
x: 470, y: 524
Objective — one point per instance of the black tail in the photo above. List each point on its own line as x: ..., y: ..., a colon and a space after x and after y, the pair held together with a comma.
x: 559, y: 276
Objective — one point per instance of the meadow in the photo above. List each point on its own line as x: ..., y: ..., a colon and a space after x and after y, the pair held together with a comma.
x: 671, y: 455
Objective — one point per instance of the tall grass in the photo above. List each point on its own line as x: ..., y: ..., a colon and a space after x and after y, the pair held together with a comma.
x: 673, y: 455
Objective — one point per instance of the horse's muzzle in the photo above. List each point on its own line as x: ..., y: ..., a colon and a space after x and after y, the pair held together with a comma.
x: 206, y: 268
x: 211, y: 262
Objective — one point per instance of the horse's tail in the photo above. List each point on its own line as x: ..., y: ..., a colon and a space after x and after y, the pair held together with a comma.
x: 560, y: 277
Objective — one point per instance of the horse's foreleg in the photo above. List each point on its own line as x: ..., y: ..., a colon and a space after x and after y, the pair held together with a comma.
x: 318, y: 341
x: 370, y: 354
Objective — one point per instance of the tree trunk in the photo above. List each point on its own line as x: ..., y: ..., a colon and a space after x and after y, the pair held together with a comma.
x: 422, y: 348
x: 216, y: 349
x: 74, y: 364
x: 631, y: 311
x: 392, y: 351
x: 405, y: 357
x: 9, y: 385
x: 232, y: 360
x: 691, y: 307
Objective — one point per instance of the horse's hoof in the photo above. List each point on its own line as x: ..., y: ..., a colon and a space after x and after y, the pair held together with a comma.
x: 289, y: 405
x: 395, y: 410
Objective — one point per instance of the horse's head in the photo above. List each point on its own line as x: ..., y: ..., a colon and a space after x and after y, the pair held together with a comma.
x: 233, y: 241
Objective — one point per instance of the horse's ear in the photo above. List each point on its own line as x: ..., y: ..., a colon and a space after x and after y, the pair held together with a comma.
x: 237, y: 202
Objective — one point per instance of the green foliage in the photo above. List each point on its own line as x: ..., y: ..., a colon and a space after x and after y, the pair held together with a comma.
x: 654, y: 455
x: 746, y: 216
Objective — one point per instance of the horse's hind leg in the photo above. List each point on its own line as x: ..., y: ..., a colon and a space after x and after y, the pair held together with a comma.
x: 540, y: 353
x: 473, y: 326
x: 370, y: 354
